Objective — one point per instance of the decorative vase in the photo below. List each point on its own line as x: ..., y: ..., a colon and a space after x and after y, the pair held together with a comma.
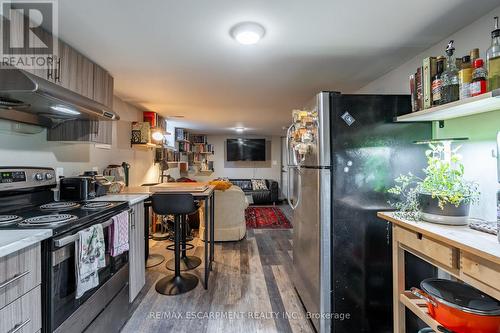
x: 450, y: 214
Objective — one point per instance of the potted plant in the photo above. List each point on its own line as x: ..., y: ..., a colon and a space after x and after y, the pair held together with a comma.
x: 443, y: 195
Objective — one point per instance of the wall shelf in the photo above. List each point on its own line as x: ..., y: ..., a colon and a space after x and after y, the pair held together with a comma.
x: 204, y: 172
x: 487, y: 102
x: 144, y: 145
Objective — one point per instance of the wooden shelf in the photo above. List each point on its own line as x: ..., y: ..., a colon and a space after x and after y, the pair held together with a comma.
x: 204, y: 172
x: 144, y: 145
x: 487, y: 102
x: 419, y: 308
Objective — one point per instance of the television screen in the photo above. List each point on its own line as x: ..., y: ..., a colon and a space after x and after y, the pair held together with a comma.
x: 246, y: 149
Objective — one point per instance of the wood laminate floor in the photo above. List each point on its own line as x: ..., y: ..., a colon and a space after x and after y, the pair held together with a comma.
x: 250, y: 290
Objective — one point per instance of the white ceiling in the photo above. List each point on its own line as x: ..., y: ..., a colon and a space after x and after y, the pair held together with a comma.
x: 176, y: 56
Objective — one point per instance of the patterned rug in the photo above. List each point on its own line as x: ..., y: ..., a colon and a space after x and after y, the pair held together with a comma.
x: 266, y: 218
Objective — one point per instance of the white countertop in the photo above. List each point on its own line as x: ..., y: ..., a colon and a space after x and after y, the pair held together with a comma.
x: 131, y: 198
x: 15, y: 240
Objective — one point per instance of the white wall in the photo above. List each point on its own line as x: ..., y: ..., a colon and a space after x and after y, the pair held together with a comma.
x: 477, y: 152
x: 261, y: 170
x: 34, y: 150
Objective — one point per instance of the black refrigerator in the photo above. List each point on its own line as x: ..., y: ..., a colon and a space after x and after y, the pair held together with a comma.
x: 344, y: 152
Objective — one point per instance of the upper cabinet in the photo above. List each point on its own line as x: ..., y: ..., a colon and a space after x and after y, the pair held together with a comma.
x: 103, y: 86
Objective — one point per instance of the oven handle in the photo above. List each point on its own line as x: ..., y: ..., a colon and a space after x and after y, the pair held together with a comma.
x: 58, y: 243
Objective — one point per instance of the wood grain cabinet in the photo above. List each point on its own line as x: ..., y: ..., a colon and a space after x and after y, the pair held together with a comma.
x: 137, y: 264
x: 81, y: 130
x: 103, y: 86
x: 20, y: 297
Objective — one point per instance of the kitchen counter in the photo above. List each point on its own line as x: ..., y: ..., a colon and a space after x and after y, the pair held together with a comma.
x: 468, y: 255
x: 462, y: 237
x: 131, y: 198
x: 15, y: 240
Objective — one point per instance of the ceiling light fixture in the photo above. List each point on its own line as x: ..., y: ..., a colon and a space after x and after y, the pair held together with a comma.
x: 247, y: 33
x: 64, y: 109
x: 239, y: 129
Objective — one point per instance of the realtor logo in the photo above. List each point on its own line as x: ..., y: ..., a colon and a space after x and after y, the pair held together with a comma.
x: 29, y: 30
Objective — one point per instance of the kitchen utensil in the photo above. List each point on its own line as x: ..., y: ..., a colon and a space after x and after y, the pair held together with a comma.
x: 459, y: 307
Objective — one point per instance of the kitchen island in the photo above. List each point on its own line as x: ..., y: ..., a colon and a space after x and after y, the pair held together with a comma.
x: 467, y: 255
x: 200, y: 191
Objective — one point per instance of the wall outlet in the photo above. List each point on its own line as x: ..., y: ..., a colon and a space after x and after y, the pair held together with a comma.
x: 96, y: 169
x: 274, y: 162
x: 59, y: 173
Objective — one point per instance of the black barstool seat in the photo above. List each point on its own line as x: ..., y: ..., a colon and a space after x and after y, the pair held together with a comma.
x: 179, y: 205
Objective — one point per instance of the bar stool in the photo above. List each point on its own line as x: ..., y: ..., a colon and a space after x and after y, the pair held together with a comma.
x: 187, y: 262
x: 177, y: 204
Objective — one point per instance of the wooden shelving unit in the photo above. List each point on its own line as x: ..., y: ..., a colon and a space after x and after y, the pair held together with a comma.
x: 419, y: 308
x: 487, y: 102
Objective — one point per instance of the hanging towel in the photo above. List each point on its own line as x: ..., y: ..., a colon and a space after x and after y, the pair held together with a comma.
x: 90, y: 256
x: 118, y: 234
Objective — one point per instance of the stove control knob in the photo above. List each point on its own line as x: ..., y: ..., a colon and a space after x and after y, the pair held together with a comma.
x: 38, y: 176
x: 49, y: 176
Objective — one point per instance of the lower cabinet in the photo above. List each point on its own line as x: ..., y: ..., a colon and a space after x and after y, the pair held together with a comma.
x: 137, y: 264
x: 20, y: 296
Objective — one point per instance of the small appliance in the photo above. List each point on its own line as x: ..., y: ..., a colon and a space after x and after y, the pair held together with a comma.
x: 77, y: 188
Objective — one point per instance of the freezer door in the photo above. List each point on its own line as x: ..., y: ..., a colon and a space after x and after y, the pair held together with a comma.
x: 319, y: 154
x: 311, y: 244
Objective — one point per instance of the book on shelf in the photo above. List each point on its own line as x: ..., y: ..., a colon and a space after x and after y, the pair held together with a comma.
x: 429, y: 70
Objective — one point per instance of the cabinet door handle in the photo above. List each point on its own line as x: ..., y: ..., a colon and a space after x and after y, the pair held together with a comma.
x: 50, y: 62
x: 131, y: 217
x: 58, y: 75
x: 18, y: 327
x: 13, y: 279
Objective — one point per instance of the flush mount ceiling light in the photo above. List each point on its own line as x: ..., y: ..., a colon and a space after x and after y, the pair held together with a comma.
x: 239, y: 129
x: 64, y: 109
x: 247, y: 33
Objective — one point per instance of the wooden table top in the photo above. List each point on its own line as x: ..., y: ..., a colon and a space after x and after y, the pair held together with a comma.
x: 196, y: 189
x: 476, y: 242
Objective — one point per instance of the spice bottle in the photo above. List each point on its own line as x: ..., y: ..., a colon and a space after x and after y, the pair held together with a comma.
x: 465, y: 77
x: 450, y: 87
x: 478, y: 85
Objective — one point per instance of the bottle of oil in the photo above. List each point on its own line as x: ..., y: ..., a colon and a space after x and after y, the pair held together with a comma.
x: 450, y: 84
x: 493, y: 58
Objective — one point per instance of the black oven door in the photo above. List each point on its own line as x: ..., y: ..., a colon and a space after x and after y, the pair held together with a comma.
x: 62, y: 288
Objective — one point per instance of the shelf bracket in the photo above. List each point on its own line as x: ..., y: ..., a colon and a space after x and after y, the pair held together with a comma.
x: 441, y: 124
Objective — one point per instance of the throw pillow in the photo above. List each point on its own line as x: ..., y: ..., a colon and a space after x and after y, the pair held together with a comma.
x: 259, y: 185
x: 220, y: 185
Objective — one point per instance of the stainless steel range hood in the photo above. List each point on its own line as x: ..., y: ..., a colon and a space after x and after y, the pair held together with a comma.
x: 26, y: 98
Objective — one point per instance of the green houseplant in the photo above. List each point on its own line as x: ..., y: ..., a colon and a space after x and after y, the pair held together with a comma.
x: 443, y: 195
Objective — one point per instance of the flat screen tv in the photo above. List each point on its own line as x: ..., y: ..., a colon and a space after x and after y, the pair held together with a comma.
x: 246, y: 149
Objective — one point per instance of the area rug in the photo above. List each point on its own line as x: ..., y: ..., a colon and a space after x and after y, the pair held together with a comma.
x: 266, y: 218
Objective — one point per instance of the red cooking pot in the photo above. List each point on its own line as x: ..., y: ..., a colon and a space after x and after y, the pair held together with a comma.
x: 460, y: 307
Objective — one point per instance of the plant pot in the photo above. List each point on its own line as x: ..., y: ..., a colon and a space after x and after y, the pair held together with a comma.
x: 450, y: 214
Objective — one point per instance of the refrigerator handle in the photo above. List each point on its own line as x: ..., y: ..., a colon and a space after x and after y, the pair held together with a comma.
x: 289, y: 130
x: 299, y: 185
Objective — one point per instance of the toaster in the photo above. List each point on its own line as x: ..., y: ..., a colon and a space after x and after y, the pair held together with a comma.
x: 77, y: 188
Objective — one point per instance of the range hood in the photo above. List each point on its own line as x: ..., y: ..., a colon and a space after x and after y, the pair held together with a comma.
x: 26, y: 98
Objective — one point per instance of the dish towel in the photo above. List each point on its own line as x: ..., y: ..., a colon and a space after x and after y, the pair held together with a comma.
x: 118, y: 234
x: 89, y: 252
